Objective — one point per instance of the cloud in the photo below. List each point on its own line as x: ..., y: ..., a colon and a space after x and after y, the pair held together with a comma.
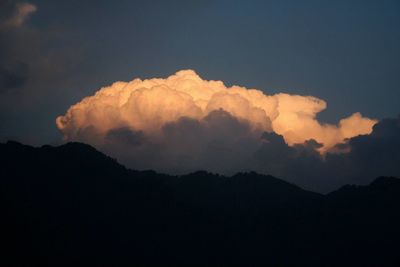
x: 184, y: 123
x: 148, y: 105
x: 186, y: 145
x: 362, y: 159
x: 21, y: 13
x: 375, y: 154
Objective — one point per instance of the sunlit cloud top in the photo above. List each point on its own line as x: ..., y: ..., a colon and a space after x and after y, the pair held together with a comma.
x: 148, y: 105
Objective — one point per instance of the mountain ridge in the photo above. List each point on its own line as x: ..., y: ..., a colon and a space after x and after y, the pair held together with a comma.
x: 72, y: 204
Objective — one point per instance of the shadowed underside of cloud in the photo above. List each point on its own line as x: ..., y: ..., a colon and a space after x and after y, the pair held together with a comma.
x: 183, y: 124
x: 367, y: 156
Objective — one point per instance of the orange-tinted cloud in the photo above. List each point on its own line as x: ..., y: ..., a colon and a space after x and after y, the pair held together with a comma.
x: 148, y: 105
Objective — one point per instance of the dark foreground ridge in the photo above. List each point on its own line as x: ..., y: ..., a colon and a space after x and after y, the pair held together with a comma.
x: 71, y: 205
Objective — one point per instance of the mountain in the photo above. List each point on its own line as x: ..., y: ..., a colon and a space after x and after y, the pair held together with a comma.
x: 72, y: 205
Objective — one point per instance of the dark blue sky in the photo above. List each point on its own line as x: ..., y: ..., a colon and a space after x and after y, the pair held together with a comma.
x: 345, y: 52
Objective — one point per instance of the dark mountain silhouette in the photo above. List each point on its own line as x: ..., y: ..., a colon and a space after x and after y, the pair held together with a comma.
x: 71, y: 205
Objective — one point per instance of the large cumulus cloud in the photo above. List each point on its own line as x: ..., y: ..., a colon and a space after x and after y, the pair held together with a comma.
x: 148, y: 105
x: 184, y: 123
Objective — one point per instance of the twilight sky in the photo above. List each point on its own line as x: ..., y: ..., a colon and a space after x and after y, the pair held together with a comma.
x: 55, y: 53
x: 345, y: 52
